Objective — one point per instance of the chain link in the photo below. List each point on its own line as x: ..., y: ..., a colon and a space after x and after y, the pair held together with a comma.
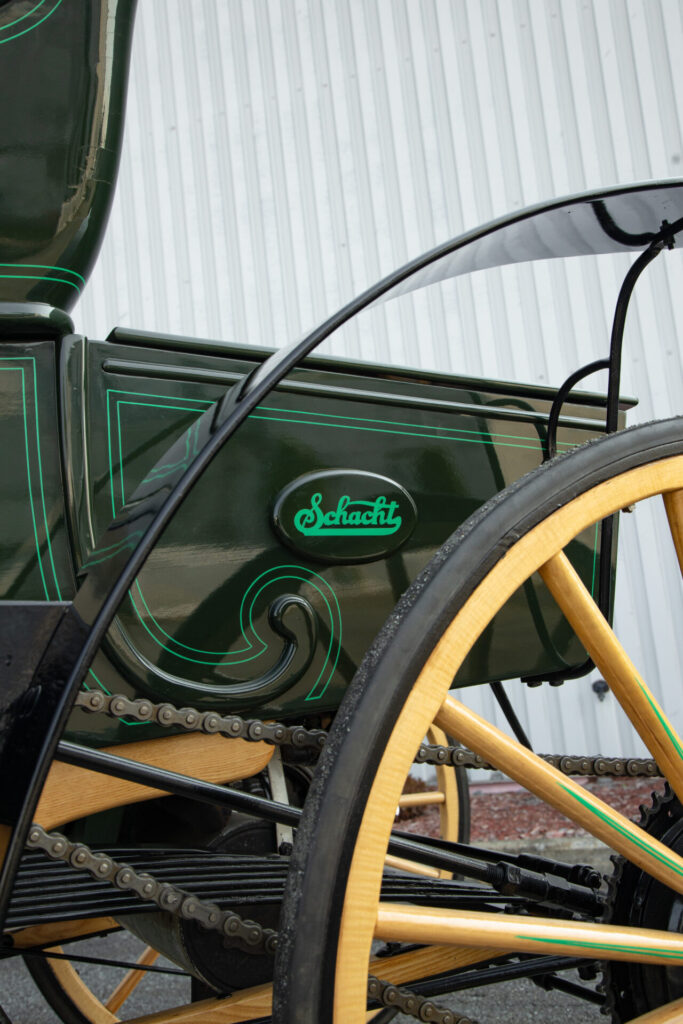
x: 568, y: 764
x: 279, y: 734
x: 191, y: 720
x: 254, y: 936
x: 101, y: 866
x: 411, y: 1003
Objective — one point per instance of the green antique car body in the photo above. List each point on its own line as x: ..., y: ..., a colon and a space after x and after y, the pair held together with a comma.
x: 83, y: 420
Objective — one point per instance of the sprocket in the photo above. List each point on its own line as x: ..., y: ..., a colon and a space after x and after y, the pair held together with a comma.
x: 636, y: 899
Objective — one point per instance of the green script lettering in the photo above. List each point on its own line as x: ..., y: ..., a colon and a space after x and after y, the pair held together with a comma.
x: 350, y: 518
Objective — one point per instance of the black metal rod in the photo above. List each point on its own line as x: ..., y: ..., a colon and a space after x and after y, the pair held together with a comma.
x: 179, y: 785
x: 40, y: 954
x: 618, y: 324
x: 509, y: 712
x: 468, y: 978
x: 561, y: 397
x: 612, y: 417
x: 260, y: 807
x: 430, y: 852
x: 551, y: 981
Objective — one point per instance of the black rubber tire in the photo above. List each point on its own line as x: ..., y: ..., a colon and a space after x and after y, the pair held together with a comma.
x: 314, y: 898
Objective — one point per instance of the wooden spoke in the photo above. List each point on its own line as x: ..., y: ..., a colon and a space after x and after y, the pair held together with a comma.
x: 404, y: 923
x: 257, y: 1002
x: 563, y: 793
x: 672, y: 1013
x: 131, y: 980
x: 629, y: 688
x: 247, y: 1005
x: 401, y: 864
x: 673, y: 503
x: 421, y: 963
x: 421, y: 799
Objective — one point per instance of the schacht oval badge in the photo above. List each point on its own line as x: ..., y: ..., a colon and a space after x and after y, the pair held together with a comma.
x: 344, y: 515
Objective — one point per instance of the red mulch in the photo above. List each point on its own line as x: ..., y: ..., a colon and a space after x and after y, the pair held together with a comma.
x: 516, y: 814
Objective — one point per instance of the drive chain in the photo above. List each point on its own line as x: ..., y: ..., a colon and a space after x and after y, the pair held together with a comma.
x: 191, y: 720
x: 230, y: 925
x: 568, y: 764
x: 280, y: 734
x: 253, y: 935
x: 168, y: 897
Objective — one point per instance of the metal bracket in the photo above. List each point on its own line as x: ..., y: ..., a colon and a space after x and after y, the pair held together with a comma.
x: 278, y: 789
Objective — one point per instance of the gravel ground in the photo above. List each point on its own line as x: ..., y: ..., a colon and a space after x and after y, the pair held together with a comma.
x: 514, y: 1002
x: 505, y: 811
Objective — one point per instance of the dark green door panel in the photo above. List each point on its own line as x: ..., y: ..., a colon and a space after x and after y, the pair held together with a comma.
x: 226, y: 614
x: 35, y: 561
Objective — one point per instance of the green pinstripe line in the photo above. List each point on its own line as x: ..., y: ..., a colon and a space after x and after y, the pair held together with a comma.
x: 398, y: 423
x: 642, y: 843
x: 312, y: 695
x: 403, y: 433
x: 357, y: 419
x: 40, y: 477
x: 168, y: 398
x: 264, y: 645
x: 27, y: 15
x: 35, y: 277
x: 28, y: 469
x: 153, y: 405
x: 32, y: 361
x: 665, y: 954
x: 44, y: 266
x: 662, y: 720
x: 23, y: 17
x: 198, y: 650
x: 184, y: 657
x: 111, y: 467
x: 304, y: 579
x: 118, y: 421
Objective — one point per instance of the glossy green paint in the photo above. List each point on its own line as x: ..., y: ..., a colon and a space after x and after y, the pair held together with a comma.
x: 35, y: 558
x: 196, y: 627
x: 63, y: 71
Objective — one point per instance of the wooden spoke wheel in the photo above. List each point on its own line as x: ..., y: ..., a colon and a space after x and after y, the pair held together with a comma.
x: 332, y: 911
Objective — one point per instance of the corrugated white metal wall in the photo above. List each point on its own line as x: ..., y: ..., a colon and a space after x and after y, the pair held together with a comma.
x: 281, y: 155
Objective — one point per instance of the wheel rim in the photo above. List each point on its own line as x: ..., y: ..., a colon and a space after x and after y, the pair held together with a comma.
x: 420, y: 707
x: 428, y: 702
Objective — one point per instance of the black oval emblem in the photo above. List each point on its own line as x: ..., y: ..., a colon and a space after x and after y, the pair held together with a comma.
x: 344, y: 515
